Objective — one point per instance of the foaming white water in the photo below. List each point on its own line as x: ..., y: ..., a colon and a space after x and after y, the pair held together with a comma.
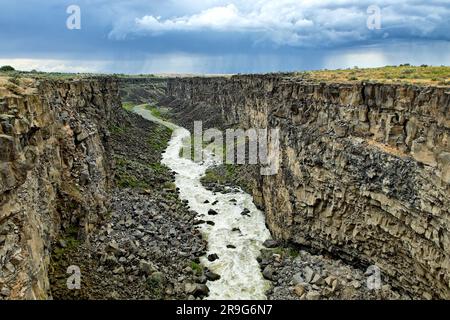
x: 240, y: 273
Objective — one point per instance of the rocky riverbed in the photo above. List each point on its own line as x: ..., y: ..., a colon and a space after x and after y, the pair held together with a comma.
x: 148, y: 247
x: 300, y: 275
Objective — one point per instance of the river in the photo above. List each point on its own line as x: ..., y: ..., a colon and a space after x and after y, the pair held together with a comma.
x: 240, y: 273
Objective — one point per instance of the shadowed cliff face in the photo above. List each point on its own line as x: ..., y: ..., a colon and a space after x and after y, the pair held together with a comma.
x: 54, y: 174
x: 142, y: 90
x: 365, y: 171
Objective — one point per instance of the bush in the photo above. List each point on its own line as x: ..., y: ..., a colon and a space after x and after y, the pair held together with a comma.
x: 7, y: 68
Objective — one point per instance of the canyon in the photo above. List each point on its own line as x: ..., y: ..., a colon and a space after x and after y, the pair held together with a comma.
x: 365, y: 168
x: 364, y: 177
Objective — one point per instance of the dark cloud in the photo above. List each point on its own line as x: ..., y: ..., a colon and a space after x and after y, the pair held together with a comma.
x: 215, y: 35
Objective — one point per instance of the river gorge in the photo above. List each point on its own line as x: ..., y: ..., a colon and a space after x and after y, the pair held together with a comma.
x: 364, y: 183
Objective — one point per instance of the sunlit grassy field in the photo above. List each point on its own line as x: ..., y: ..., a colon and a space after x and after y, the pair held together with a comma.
x: 422, y: 75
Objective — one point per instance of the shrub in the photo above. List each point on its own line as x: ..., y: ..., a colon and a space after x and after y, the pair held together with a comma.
x: 7, y: 68
x: 408, y: 71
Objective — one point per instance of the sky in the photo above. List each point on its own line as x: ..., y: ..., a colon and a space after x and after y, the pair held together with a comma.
x: 221, y: 36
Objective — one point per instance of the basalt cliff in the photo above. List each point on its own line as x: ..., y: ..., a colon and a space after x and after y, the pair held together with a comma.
x: 365, y: 168
x: 54, y: 174
x: 81, y: 185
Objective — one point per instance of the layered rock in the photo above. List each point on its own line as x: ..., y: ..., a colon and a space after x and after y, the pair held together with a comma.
x: 142, y: 90
x: 365, y: 168
x: 54, y: 174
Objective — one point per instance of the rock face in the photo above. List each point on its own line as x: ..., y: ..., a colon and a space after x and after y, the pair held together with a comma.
x: 365, y: 168
x: 54, y: 174
x: 142, y: 90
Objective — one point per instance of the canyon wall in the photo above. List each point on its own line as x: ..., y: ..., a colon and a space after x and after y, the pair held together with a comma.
x: 54, y: 174
x: 140, y: 90
x: 365, y: 168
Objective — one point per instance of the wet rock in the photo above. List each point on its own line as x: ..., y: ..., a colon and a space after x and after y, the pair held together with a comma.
x: 211, y: 276
x: 200, y: 290
x: 201, y: 279
x: 270, y: 244
x: 268, y: 272
x: 213, y: 257
x: 212, y: 212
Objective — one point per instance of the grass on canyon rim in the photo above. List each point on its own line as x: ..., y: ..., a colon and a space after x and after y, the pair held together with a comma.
x: 420, y: 75
x: 405, y: 73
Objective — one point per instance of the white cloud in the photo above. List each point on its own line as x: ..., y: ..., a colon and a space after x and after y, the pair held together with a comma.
x: 55, y: 65
x: 302, y: 23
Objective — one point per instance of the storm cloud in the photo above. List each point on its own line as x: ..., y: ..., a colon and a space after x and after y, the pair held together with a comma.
x: 222, y: 36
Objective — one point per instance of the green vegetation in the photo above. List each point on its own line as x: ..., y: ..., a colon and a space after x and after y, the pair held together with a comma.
x: 128, y: 106
x: 159, y: 139
x: 128, y: 174
x: 155, y: 287
x: 229, y: 175
x: 158, y: 168
x: 158, y: 112
x: 405, y: 73
x: 286, y: 251
x: 221, y: 177
x: 198, y: 269
x: 117, y: 129
x: 170, y: 186
x: 6, y: 69
x: 70, y: 239
x: 124, y: 179
x: 130, y: 181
